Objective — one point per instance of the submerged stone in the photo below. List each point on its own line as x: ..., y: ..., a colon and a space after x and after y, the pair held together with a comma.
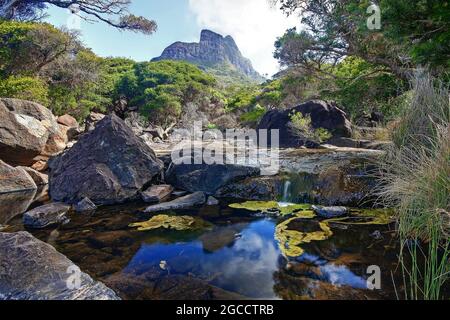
x: 189, y: 201
x: 46, y: 215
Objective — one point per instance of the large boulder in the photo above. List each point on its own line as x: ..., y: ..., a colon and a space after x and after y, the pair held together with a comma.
x: 208, y: 178
x: 14, y: 179
x: 323, y: 115
x: 107, y: 165
x: 33, y: 270
x: 25, y: 130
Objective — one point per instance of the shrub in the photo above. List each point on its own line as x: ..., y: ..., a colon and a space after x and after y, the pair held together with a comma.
x: 27, y: 88
x: 301, y: 126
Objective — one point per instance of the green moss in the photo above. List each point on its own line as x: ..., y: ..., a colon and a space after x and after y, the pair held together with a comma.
x: 290, y: 241
x: 270, y: 207
x: 179, y: 223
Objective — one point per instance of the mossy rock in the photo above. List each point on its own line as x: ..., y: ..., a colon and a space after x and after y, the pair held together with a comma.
x: 179, y: 223
x: 290, y: 241
x: 270, y: 207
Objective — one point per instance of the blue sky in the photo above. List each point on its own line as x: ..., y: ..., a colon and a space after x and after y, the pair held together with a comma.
x: 254, y: 24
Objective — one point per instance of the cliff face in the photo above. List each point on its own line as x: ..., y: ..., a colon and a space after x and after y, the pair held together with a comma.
x: 213, y: 50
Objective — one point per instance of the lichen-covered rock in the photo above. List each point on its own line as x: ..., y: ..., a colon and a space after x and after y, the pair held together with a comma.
x: 108, y: 165
x: 25, y: 130
x: 189, y: 201
x: 46, y: 215
x: 33, y: 270
x: 179, y: 223
x: 14, y: 179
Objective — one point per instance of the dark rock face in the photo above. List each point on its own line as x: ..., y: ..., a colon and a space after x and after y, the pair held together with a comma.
x: 208, y: 178
x: 15, y: 179
x: 213, y: 49
x: 108, y: 165
x: 189, y: 201
x: 46, y: 215
x: 253, y: 188
x: 33, y: 270
x: 323, y: 115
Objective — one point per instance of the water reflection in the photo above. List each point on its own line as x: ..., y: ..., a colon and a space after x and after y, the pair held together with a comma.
x: 246, y: 266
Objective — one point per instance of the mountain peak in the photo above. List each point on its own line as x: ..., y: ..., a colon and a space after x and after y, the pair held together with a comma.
x: 213, y: 51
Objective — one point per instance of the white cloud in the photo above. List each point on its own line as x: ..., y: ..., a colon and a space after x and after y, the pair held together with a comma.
x: 254, y: 25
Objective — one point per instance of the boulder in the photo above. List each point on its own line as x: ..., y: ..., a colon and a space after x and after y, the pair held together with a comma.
x: 56, y: 142
x: 33, y: 270
x: 46, y: 215
x: 85, y: 205
x: 330, y: 212
x: 14, y: 179
x: 92, y: 120
x: 157, y: 194
x: 108, y: 165
x: 186, y: 202
x: 208, y: 178
x: 40, y: 179
x: 15, y: 203
x: 68, y: 121
x: 323, y: 115
x: 24, y: 130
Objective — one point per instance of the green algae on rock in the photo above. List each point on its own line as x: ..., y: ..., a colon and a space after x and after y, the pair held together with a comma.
x: 270, y: 207
x: 179, y: 223
x: 290, y: 241
x: 365, y: 217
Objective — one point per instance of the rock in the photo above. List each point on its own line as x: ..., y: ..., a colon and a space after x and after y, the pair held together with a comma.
x: 56, y: 142
x: 108, y: 165
x: 189, y: 201
x: 85, y: 205
x: 157, y: 194
x: 24, y: 130
x: 212, y: 201
x: 377, y: 235
x: 330, y: 212
x: 253, y: 188
x: 68, y: 121
x: 15, y: 203
x: 40, y: 166
x: 212, y: 50
x: 208, y: 178
x: 14, y: 179
x: 40, y: 179
x: 156, y: 133
x: 92, y: 120
x: 33, y: 270
x: 323, y: 115
x: 179, y: 193
x: 46, y: 215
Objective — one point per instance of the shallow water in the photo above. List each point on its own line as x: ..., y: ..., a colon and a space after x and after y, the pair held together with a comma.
x: 235, y: 256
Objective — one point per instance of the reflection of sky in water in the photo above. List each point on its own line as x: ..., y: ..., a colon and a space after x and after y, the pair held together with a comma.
x: 245, y: 266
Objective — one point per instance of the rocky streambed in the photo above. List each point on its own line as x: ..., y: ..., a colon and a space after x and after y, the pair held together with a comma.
x: 134, y: 225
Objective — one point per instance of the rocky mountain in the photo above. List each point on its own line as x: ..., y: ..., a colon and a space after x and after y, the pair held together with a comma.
x: 215, y: 53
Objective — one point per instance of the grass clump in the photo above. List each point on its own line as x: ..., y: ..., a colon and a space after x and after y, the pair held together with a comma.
x: 415, y: 180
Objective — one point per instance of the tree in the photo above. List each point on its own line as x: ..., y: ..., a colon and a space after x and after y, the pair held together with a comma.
x: 413, y: 32
x: 113, y: 12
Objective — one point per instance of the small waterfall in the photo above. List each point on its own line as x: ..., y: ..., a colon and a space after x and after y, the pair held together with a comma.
x: 287, y: 192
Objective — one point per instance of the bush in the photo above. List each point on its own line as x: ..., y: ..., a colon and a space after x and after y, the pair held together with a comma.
x: 26, y: 88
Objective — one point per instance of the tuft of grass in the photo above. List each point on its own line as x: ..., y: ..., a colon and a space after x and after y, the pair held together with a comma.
x: 415, y: 179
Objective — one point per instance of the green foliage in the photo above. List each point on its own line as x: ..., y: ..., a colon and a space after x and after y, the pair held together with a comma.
x: 301, y: 125
x: 160, y: 89
x: 26, y: 88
